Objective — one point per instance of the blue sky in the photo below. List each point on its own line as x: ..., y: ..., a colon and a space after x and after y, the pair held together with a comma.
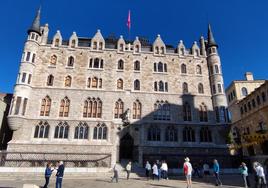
x: 240, y: 28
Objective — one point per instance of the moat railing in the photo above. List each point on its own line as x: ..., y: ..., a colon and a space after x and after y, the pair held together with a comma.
x: 34, y: 159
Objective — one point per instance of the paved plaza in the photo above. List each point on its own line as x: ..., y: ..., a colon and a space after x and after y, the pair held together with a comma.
x: 139, y: 182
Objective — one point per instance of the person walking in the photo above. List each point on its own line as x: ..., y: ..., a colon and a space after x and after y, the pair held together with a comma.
x: 216, y: 170
x: 128, y: 169
x: 59, y: 175
x: 155, y: 171
x: 159, y: 164
x: 187, y: 169
x: 244, y: 172
x: 48, y: 173
x: 164, y: 169
x: 148, y: 169
x: 261, y: 183
x: 115, y: 177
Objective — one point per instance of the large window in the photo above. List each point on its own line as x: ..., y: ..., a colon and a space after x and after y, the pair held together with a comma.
x: 188, y: 134
x: 81, y: 131
x: 154, y: 134
x: 136, y: 110
x: 100, y: 132
x: 171, y: 134
x: 96, y: 63
x: 160, y: 67
x: 94, y: 82
x: 61, y: 130
x: 187, y: 112
x: 161, y: 86
x: 17, y: 106
x: 205, y: 135
x: 45, y: 106
x: 41, y: 130
x: 161, y: 110
x: 118, y: 109
x: 203, y: 114
x: 64, y: 107
x: 92, y: 108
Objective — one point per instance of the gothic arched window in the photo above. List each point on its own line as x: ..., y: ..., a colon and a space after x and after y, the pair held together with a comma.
x: 41, y: 130
x: 205, y: 135
x: 188, y: 134
x: 185, y: 88
x: 45, y: 106
x: 154, y: 134
x: 161, y: 110
x: 183, y: 69
x: 203, y: 113
x: 120, y: 65
x: 136, y: 65
x: 187, y: 113
x: 136, y: 85
x: 50, y: 80
x: 200, y: 88
x: 160, y: 67
x: 53, y: 60
x: 171, y: 134
x: 161, y: 86
x: 62, y: 130
x: 136, y: 110
x: 120, y: 84
x: 100, y: 132
x: 198, y: 69
x: 70, y: 62
x: 64, y: 107
x: 81, y: 131
x: 118, y: 109
x: 68, y: 81
x: 92, y: 108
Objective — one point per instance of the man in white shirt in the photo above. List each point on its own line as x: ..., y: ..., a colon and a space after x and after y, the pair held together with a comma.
x: 260, y: 173
x: 187, y: 169
x: 164, y: 169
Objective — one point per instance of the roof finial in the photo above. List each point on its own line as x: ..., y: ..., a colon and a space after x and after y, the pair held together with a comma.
x: 35, y: 27
x: 211, y: 40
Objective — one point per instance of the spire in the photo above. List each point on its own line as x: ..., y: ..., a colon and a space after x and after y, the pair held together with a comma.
x: 211, y: 40
x: 35, y: 27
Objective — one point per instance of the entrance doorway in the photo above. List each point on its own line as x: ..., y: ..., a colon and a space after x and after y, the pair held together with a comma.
x: 126, y: 147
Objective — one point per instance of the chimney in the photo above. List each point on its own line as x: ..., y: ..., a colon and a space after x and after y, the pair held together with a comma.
x: 249, y: 76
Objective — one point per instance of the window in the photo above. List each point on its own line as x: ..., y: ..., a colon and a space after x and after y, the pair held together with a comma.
x: 120, y: 84
x: 263, y: 97
x: 120, y: 65
x: 187, y: 114
x: 23, y: 79
x: 62, y: 130
x: 221, y: 114
x: 184, y: 88
x: 137, y: 66
x: 205, y: 135
x: 45, y: 106
x: 162, y: 50
x: 33, y: 35
x: 41, y: 130
x: 53, y: 60
x: 160, y: 67
x: 28, y: 55
x: 100, y: 132
x: 17, y: 107
x: 183, y: 69
x: 253, y: 103
x: 166, y: 87
x: 198, y: 69
x: 92, y: 108
x: 100, y: 46
x: 211, y: 69
x: 81, y: 131
x: 118, y: 109
x: 258, y: 100
x: 161, y: 85
x: 29, y: 79
x: 154, y: 134
x: 249, y: 105
x: 73, y: 44
x: 64, y: 107
x: 121, y: 47
x: 50, y: 80
x: 94, y: 82
x: 157, y: 50
x: 94, y: 45
x: 137, y: 49
x: 219, y: 88
x: 244, y: 91
x: 33, y: 58
x: 181, y: 51
x: 155, y: 67
x: 241, y: 110
x: 136, y: 85
x: 70, y: 62
x: 162, y: 110
x: 57, y: 42
x: 24, y: 106
x: 188, y: 134
x: 203, y: 114
x: 200, y: 88
x: 216, y: 69
x: 137, y: 110
x: 96, y: 63
x: 155, y: 86
x: 68, y: 81
x: 213, y: 89
x: 171, y: 134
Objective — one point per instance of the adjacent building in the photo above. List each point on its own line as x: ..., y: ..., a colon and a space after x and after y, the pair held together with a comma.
x: 95, y: 101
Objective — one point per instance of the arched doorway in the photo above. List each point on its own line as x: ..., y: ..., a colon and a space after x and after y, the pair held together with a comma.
x: 126, y: 147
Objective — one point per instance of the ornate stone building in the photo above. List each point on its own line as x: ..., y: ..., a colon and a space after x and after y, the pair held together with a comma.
x: 124, y: 99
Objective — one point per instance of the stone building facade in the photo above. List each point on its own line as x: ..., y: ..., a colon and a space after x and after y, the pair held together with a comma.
x: 124, y: 99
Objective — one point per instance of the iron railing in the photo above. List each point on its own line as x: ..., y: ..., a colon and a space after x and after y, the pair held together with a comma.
x: 34, y: 159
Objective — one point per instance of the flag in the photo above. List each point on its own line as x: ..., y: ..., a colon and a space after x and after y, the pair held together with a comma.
x: 128, y: 21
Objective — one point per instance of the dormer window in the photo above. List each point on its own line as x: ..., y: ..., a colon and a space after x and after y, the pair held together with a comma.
x: 121, y: 47
x: 57, y: 42
x: 196, y: 52
x: 157, y: 50
x: 182, y: 51
x: 73, y: 44
x: 136, y: 49
x: 33, y: 36
x: 162, y: 50
x: 100, y: 46
x: 94, y: 45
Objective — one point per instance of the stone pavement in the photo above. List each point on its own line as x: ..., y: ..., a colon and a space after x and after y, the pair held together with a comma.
x: 229, y: 181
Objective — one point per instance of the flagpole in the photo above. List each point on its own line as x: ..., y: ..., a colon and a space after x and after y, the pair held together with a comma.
x: 129, y: 25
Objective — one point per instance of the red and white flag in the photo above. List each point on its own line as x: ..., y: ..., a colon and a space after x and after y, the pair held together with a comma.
x: 128, y: 21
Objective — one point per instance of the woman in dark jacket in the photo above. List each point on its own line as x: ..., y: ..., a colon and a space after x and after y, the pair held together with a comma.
x: 48, y: 173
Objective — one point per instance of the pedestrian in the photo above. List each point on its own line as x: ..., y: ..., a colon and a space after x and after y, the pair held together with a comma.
x: 216, y: 170
x: 159, y: 164
x: 128, y: 169
x: 115, y: 176
x: 244, y: 172
x: 148, y: 169
x: 164, y: 170
x: 260, y: 175
x: 187, y: 169
x: 196, y: 170
x: 48, y: 173
x: 59, y: 175
x: 206, y: 169
x: 155, y: 172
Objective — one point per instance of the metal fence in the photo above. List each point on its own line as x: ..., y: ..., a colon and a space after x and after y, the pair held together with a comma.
x: 34, y: 159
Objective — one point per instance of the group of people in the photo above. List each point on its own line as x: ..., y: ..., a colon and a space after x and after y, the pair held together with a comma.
x: 159, y: 170
x: 59, y: 174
